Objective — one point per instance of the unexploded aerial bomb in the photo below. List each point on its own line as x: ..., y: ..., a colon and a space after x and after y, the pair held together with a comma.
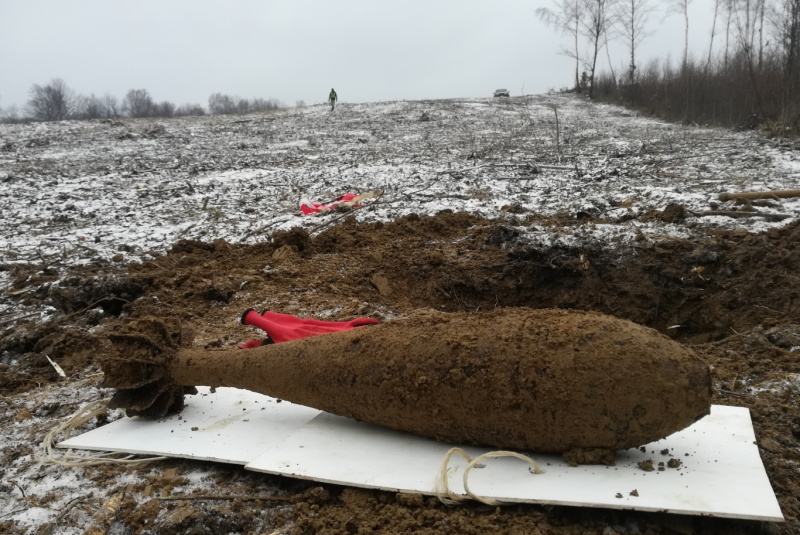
x: 579, y: 383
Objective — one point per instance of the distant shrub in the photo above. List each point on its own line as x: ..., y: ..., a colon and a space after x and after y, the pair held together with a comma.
x: 11, y: 115
x: 219, y: 104
x: 138, y: 103
x: 51, y: 102
x: 730, y: 95
x: 186, y: 110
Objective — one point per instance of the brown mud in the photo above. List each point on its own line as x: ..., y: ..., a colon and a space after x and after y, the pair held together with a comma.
x: 731, y: 296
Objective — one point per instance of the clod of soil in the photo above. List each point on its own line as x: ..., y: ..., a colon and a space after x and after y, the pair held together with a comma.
x: 539, y: 380
x: 647, y: 465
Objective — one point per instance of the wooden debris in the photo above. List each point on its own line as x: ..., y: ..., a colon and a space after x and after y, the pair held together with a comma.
x: 58, y: 369
x: 733, y: 213
x: 776, y: 194
x: 104, y: 517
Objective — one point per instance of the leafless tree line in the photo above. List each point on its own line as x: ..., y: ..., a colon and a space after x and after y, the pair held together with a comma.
x: 56, y: 101
x: 751, y: 73
x: 591, y: 24
x: 219, y: 104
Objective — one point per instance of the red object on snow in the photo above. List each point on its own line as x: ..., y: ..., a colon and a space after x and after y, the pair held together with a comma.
x: 285, y: 327
x: 309, y: 208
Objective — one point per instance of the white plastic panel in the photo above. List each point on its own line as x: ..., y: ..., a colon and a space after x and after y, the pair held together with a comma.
x: 229, y: 426
x: 720, y: 472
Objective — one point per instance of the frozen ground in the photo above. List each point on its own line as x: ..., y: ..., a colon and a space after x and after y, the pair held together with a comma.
x: 80, y: 191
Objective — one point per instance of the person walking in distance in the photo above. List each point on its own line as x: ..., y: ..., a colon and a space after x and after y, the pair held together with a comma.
x: 332, y: 98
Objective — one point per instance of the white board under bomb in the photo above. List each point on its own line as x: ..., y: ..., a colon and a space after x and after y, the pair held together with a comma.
x: 228, y: 426
x: 716, y: 468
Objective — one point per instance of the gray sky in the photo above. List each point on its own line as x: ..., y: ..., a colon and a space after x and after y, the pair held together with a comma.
x: 185, y: 50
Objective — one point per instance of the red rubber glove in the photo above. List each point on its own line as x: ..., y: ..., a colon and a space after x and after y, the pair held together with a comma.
x: 285, y: 327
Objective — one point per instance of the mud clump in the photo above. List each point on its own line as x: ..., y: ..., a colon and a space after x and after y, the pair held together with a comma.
x: 109, y: 292
x: 296, y: 238
x: 673, y: 213
x: 538, y: 380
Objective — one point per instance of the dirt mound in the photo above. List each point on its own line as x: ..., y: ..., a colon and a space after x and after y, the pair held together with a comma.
x: 690, y: 290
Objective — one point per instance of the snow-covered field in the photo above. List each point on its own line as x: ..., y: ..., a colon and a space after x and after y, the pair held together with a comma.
x: 75, y: 192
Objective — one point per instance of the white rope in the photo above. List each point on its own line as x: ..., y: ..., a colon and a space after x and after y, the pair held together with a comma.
x: 442, y: 486
x: 80, y: 417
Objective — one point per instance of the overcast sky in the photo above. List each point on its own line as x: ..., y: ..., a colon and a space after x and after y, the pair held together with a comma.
x: 185, y: 50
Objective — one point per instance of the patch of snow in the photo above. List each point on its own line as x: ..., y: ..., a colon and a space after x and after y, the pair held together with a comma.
x: 790, y: 382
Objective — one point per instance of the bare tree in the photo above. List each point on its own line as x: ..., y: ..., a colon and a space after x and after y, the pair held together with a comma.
x: 242, y: 105
x: 11, y: 114
x: 91, y: 107
x: 610, y: 65
x: 261, y: 105
x: 164, y: 109
x: 631, y: 18
x: 138, y: 103
x: 189, y: 110
x: 746, y: 21
x: 566, y: 17
x: 713, y: 33
x: 219, y: 104
x: 787, y: 27
x: 761, y: 9
x: 111, y: 105
x: 728, y: 21
x: 748, y: 18
x: 681, y: 7
x: 597, y: 20
x: 52, y: 102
